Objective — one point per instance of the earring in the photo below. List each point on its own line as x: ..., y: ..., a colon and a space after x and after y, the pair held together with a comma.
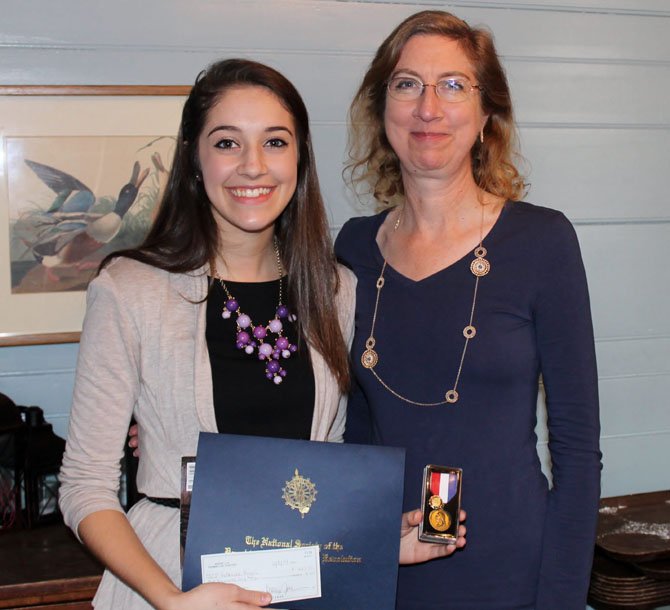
x: 198, y: 177
x: 481, y: 135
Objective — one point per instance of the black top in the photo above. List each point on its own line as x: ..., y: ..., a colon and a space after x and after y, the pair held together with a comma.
x: 245, y: 401
x: 528, y: 547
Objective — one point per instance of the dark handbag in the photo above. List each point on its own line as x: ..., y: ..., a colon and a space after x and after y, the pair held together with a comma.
x: 30, y: 459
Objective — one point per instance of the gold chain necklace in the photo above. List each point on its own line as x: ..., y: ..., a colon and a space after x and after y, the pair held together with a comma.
x: 370, y: 358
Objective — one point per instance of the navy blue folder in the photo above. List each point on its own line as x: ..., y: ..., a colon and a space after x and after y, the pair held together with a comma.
x: 239, y: 492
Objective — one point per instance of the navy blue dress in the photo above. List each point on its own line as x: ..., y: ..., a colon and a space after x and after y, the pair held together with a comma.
x: 528, y: 546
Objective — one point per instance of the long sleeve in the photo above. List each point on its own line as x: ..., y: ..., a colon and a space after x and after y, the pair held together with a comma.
x: 106, y: 389
x: 567, y: 359
x: 143, y: 351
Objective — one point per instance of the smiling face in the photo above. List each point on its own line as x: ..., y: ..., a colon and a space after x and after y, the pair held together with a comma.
x: 431, y: 136
x: 248, y: 155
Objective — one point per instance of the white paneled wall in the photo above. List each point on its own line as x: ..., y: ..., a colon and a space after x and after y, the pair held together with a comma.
x: 591, y: 85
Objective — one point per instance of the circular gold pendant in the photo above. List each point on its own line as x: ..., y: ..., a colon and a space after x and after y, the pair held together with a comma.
x: 480, y: 252
x: 435, y: 502
x: 480, y: 267
x: 369, y: 358
x: 439, y: 520
x: 451, y: 396
x: 469, y: 332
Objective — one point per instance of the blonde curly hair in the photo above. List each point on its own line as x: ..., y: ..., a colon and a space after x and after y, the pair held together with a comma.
x: 373, y: 162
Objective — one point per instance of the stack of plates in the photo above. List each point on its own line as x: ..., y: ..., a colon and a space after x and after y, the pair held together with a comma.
x: 615, y: 584
x: 631, y: 567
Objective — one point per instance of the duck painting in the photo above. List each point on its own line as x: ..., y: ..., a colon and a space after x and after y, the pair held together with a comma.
x: 68, y: 234
x: 71, y: 194
x: 74, y: 200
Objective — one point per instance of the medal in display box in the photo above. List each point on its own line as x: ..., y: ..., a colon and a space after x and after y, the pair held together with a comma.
x: 441, y: 504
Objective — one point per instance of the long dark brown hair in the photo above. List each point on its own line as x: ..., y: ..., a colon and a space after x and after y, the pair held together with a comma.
x: 184, y: 235
x: 373, y: 161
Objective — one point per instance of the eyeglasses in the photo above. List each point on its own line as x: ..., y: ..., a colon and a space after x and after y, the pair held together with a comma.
x: 452, y: 89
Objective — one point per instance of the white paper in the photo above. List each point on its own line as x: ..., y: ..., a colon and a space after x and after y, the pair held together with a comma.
x: 287, y: 574
x: 190, y: 474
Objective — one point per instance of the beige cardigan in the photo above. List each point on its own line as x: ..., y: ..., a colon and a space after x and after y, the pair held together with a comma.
x: 143, y: 352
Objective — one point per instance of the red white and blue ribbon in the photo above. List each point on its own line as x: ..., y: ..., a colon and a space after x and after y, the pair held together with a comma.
x: 444, y: 484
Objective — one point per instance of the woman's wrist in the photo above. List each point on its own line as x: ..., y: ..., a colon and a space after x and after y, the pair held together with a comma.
x: 168, y: 599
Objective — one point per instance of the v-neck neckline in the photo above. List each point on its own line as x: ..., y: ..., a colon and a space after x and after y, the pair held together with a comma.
x: 379, y: 257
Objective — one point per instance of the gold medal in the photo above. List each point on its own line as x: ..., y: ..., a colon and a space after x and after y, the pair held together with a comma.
x: 435, y: 502
x: 439, y: 520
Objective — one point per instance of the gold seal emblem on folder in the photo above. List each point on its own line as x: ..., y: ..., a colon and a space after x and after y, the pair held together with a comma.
x: 299, y: 493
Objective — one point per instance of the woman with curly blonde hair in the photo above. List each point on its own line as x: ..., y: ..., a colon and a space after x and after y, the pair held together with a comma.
x: 466, y: 297
x: 373, y: 160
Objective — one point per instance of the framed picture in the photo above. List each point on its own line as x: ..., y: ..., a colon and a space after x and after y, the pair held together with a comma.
x: 83, y: 169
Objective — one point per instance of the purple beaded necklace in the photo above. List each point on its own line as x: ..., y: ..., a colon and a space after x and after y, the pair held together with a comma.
x: 254, y: 338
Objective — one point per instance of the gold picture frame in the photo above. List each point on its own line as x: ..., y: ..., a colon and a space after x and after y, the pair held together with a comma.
x: 68, y: 154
